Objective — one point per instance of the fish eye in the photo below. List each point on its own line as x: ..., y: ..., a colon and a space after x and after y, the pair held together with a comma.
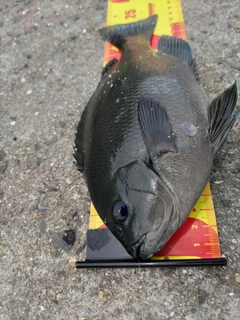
x: 120, y: 212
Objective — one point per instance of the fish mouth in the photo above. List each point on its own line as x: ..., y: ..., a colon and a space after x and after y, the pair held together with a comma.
x: 135, y: 247
x: 153, y: 242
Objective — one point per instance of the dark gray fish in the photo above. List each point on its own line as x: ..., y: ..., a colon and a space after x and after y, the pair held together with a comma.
x: 147, y: 137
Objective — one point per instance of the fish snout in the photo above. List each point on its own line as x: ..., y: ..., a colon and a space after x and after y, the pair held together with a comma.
x: 135, y: 247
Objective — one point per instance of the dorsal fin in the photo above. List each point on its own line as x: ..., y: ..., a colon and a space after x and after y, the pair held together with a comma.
x: 117, y: 34
x: 178, y: 48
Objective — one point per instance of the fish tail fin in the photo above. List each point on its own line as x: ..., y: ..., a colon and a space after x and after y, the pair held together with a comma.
x: 117, y: 34
x: 178, y: 48
x: 221, y: 116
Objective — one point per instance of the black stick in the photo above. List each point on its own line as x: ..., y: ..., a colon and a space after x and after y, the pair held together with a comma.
x: 151, y: 263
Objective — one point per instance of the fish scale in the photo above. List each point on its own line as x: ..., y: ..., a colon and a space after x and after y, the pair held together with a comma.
x: 121, y: 127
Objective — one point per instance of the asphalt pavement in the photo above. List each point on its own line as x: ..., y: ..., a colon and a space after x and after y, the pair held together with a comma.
x: 51, y: 59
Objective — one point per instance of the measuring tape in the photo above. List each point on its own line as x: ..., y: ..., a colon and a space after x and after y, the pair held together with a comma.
x: 198, y: 236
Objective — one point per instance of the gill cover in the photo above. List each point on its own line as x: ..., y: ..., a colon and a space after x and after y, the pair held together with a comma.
x: 150, y: 204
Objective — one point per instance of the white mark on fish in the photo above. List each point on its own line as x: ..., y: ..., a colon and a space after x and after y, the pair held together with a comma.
x: 188, y: 128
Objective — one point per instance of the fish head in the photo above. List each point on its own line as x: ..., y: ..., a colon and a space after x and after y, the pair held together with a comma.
x: 144, y: 214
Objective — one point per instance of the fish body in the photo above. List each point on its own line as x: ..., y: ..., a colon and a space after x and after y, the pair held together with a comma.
x: 147, y: 137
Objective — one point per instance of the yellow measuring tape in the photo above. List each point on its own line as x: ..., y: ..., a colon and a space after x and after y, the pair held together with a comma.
x: 200, y: 229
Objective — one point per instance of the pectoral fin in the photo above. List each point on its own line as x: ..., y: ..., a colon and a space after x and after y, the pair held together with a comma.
x: 109, y: 66
x: 155, y: 127
x: 221, y: 117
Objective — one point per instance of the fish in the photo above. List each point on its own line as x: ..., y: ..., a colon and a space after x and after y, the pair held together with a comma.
x: 147, y: 138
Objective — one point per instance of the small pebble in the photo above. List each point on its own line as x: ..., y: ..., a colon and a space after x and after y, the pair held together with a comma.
x: 236, y: 170
x: 69, y: 237
x: 23, y: 80
x: 237, y: 277
x: 2, y: 155
x: 34, y: 207
x: 55, y: 301
x: 202, y: 296
x: 43, y: 209
x: 100, y: 294
x: 50, y: 141
x: 62, y: 124
x: 29, y: 92
x: 72, y: 260
x: 68, y: 181
x: 12, y: 123
x: 3, y: 167
x: 81, y: 248
x: 75, y: 216
x: 43, y: 225
x: 226, y: 203
x: 218, y: 181
x: 84, y: 31
x: 37, y: 146
x: 38, y: 161
x: 54, y: 189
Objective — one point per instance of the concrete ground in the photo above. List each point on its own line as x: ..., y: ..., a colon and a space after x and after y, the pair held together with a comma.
x: 51, y: 59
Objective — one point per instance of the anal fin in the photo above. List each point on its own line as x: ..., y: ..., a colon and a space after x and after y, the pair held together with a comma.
x: 221, y: 116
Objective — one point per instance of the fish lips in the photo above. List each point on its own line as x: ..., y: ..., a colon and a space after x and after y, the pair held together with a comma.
x: 149, y: 243
x: 134, y: 249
